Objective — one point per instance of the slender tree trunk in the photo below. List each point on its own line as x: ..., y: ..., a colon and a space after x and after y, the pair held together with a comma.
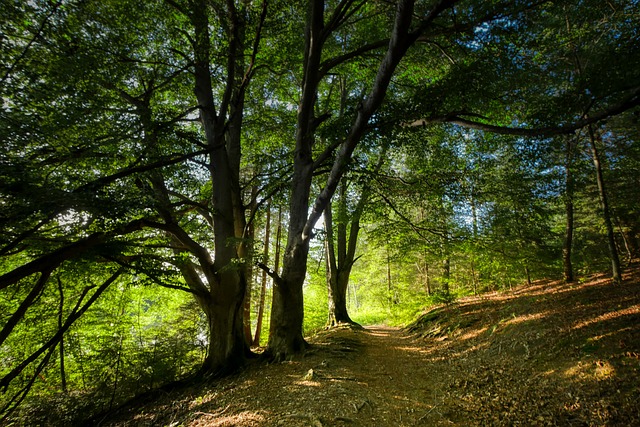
x: 616, y: 269
x: 354, y: 295
x: 427, y: 277
x: 474, y: 225
x: 277, y: 255
x: 527, y: 272
x: 631, y: 237
x: 340, y: 265
x: 276, y: 261
x: 568, y: 204
x: 446, y: 268
x: 389, y: 282
x: 263, y: 288
x: 474, y: 282
x: 337, y: 273
x: 627, y: 245
x: 63, y: 375
x: 248, y: 262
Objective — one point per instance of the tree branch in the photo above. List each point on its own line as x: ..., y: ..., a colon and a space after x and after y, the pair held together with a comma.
x: 277, y: 280
x: 630, y: 102
x: 55, y: 339
x: 24, y: 306
x: 52, y: 260
x: 329, y: 64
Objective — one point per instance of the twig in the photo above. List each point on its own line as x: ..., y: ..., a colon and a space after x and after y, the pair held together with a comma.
x: 314, y: 420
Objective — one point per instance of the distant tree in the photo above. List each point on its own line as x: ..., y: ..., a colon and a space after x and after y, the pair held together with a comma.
x: 341, y: 244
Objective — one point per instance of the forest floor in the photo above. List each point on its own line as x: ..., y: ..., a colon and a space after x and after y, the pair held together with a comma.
x: 546, y: 354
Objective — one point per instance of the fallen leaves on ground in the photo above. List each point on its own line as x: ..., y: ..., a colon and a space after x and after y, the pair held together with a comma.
x: 543, y: 355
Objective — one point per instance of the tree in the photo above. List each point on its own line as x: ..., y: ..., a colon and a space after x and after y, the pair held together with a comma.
x: 135, y: 110
x: 344, y: 242
x: 287, y: 310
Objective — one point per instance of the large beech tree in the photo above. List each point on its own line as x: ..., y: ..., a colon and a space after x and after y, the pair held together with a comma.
x: 287, y: 311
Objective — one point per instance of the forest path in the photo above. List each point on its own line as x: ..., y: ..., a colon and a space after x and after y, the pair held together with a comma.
x: 542, y: 355
x: 394, y: 370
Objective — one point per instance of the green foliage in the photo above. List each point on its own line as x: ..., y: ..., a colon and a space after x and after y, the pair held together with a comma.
x: 134, y: 338
x: 315, y: 301
x: 103, y: 161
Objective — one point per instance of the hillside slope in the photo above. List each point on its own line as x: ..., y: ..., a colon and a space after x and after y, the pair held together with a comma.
x: 547, y: 354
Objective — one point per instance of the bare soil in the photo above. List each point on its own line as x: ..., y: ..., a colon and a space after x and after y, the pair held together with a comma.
x: 549, y: 354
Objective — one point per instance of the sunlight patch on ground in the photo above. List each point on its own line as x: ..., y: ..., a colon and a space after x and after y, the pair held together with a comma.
x: 604, y: 369
x: 634, y: 309
x: 213, y: 420
x: 577, y: 371
x: 598, y: 369
x: 200, y: 400
x: 473, y: 334
x: 417, y: 351
x: 378, y: 333
x: 307, y: 383
x: 528, y: 317
x: 612, y: 333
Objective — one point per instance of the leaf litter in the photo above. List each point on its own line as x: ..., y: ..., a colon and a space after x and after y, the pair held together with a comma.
x: 549, y: 354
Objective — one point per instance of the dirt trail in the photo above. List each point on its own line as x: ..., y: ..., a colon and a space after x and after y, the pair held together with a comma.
x: 544, y: 355
x: 393, y: 372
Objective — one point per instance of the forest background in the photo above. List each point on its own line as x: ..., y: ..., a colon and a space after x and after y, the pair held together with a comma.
x: 183, y: 180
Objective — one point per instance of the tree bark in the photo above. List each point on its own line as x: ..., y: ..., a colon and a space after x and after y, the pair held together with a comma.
x: 389, y: 282
x: 287, y: 310
x: 247, y: 244
x: 227, y: 282
x: 63, y: 375
x: 616, y: 269
x: 347, y: 239
x: 446, y: 275
x: 263, y: 287
x: 337, y: 272
x: 568, y: 204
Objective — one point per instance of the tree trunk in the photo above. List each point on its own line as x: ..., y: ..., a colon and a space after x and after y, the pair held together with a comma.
x: 631, y: 236
x: 568, y: 204
x: 527, y: 273
x: 287, y: 311
x: 474, y: 282
x: 347, y: 241
x: 63, y: 375
x: 276, y: 261
x: 247, y: 256
x: 616, y: 269
x: 263, y: 287
x: 287, y: 316
x: 389, y: 282
x: 446, y: 275
x: 227, y: 348
x: 337, y: 278
x: 222, y: 300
